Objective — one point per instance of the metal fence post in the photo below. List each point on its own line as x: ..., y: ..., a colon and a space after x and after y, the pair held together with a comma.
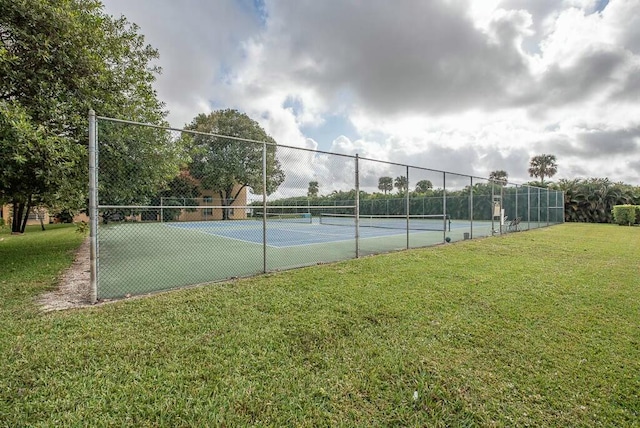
x: 93, y: 208
x: 264, y: 207
x: 516, y: 215
x: 408, y: 204
x: 538, y: 207
x: 547, y: 207
x: 493, y: 209
x: 528, y: 208
x: 357, y: 216
x: 444, y: 206
x: 471, y: 208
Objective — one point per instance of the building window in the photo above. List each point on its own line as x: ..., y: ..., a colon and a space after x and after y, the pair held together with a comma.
x: 207, y: 199
x: 208, y: 212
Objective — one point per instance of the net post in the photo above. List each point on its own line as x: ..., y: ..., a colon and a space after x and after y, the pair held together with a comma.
x: 444, y: 206
x: 408, y: 204
x: 93, y: 208
x: 264, y: 207
x: 357, y: 219
x: 471, y: 208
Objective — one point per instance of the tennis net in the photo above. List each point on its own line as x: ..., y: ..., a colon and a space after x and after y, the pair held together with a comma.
x: 437, y: 222
x: 283, y: 217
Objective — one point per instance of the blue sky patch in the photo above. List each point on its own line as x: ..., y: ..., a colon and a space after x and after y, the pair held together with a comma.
x: 333, y: 127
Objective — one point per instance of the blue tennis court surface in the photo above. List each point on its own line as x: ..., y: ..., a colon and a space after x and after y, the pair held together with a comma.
x: 284, y: 234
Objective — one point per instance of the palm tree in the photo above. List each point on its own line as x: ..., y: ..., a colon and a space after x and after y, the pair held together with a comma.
x: 401, y: 183
x: 543, y: 166
x: 499, y: 177
x: 385, y: 184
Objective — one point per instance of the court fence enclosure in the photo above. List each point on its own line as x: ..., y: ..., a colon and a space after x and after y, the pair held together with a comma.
x: 171, y: 208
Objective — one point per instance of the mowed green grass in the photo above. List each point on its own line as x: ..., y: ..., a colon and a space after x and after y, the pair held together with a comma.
x: 537, y: 328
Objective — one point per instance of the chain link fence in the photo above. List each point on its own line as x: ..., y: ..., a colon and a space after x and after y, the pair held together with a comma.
x: 171, y: 208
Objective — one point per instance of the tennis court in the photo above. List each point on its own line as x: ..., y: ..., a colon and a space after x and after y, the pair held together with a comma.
x: 329, y: 228
x: 138, y: 258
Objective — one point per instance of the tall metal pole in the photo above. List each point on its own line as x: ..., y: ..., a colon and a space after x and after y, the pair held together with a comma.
x: 408, y: 203
x: 547, y: 207
x: 493, y: 209
x: 444, y: 206
x: 516, y: 216
x: 502, y: 208
x: 264, y: 207
x: 528, y: 207
x: 93, y: 208
x: 357, y: 213
x: 538, y: 207
x: 471, y: 208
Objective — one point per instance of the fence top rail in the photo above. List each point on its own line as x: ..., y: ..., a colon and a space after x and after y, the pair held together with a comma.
x: 254, y: 207
x: 188, y: 131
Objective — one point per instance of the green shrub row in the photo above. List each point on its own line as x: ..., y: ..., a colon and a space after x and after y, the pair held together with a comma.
x: 626, y: 215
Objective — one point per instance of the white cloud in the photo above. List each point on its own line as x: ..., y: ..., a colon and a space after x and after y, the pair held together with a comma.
x: 461, y: 85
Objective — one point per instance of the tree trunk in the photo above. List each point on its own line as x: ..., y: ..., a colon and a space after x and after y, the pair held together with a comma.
x: 223, y: 201
x: 16, y: 219
x: 41, y: 215
x: 26, y: 215
x: 227, y: 201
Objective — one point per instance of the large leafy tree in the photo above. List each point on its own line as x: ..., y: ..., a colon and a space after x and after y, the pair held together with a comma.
x: 34, y: 162
x: 423, y: 186
x: 58, y: 59
x: 385, y: 184
x: 542, y: 166
x: 227, y: 166
x: 499, y: 177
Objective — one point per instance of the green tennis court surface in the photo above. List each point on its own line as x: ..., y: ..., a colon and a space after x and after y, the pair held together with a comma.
x: 136, y: 258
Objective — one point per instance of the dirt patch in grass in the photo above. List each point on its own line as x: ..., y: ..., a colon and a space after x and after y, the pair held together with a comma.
x: 74, y: 289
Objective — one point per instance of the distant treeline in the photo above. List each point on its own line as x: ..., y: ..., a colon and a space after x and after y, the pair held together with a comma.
x: 525, y: 202
x: 586, y: 200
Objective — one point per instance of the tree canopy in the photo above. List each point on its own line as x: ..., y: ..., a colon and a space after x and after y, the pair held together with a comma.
x: 401, y: 183
x: 385, y: 184
x: 314, y: 188
x: 58, y: 59
x: 423, y: 186
x: 499, y: 176
x: 542, y: 166
x: 227, y: 166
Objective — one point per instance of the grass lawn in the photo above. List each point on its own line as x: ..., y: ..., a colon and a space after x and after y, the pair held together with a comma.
x: 537, y: 328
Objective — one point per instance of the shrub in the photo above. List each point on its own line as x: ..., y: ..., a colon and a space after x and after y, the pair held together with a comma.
x: 82, y: 227
x: 624, y: 214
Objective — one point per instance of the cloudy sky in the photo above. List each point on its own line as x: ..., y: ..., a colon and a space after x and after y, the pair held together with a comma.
x: 467, y: 86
